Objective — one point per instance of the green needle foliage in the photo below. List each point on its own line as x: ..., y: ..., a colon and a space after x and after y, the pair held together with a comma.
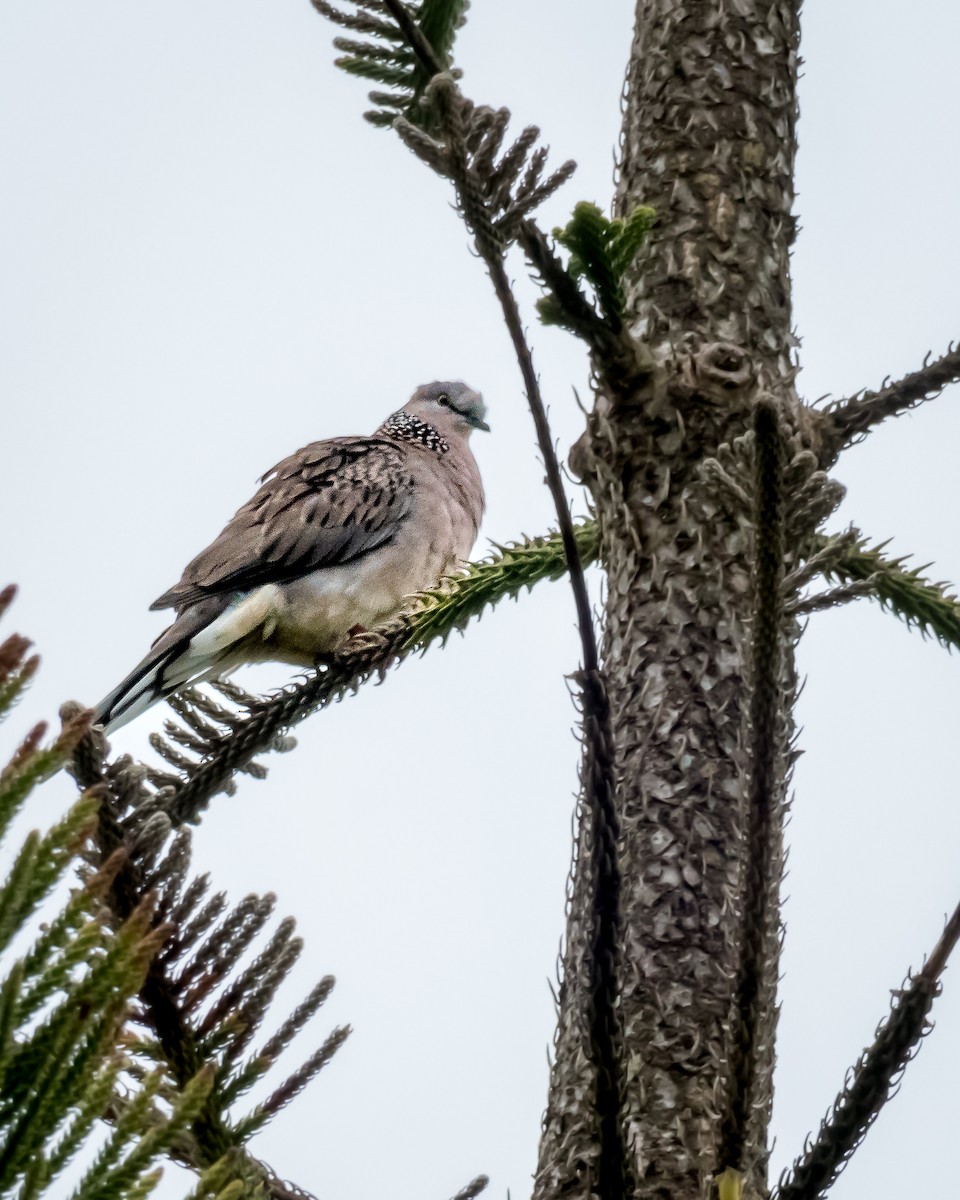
x: 387, y: 58
x: 506, y: 572
x: 439, y: 21
x: 930, y: 607
x: 220, y: 1182
x: 122, y: 1165
x: 210, y: 985
x: 601, y: 251
x: 64, y: 1002
x: 138, y: 943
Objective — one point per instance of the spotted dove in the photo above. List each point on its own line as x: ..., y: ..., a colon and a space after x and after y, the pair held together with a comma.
x: 337, y: 537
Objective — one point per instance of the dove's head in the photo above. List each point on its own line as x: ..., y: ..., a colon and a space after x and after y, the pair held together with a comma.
x: 449, y: 406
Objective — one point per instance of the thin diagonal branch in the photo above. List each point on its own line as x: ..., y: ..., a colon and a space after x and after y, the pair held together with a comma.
x: 873, y: 1080
x: 935, y: 964
x: 491, y: 251
x: 597, y: 780
x: 763, y: 752
x: 461, y: 142
x: 429, y: 59
x: 847, y: 420
x: 578, y: 584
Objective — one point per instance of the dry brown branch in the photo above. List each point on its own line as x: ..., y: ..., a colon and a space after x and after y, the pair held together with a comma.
x: 164, y: 1008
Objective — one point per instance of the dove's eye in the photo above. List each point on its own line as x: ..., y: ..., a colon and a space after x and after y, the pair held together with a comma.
x: 444, y: 399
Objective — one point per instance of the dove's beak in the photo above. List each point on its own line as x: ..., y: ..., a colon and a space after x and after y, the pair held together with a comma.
x: 477, y: 423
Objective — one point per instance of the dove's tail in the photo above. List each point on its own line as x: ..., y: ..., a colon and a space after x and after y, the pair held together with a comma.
x: 180, y: 655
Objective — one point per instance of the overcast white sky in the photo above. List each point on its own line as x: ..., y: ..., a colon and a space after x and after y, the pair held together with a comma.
x: 206, y: 260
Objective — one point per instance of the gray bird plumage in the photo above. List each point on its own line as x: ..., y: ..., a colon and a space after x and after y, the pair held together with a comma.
x: 337, y: 536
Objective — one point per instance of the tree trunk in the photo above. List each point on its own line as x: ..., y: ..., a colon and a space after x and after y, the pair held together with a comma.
x: 708, y: 140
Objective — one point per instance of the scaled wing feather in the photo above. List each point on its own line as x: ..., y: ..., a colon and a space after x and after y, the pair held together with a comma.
x: 330, y: 503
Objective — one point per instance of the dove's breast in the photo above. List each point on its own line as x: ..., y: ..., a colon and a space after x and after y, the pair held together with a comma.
x: 317, y: 612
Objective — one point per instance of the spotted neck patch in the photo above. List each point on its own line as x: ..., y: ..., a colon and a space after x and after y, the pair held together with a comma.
x: 406, y: 428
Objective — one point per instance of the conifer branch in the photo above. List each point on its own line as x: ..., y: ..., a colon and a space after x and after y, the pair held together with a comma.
x: 405, y: 54
x: 234, y: 739
x: 198, y: 1035
x: 763, y: 753
x: 412, y: 55
x: 833, y: 597
x: 846, y: 421
x: 494, y: 199
x: 873, y: 1080
x: 414, y: 35
x: 111, y: 1175
x: 292, y: 1086
x: 158, y: 994
x: 472, y: 1189
x: 614, y: 352
x: 817, y: 557
x: 601, y: 250
x: 930, y: 607
x: 259, y: 724
x: 64, y: 1003
x: 572, y: 308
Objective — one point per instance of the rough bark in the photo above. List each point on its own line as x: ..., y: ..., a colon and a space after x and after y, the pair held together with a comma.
x: 709, y: 141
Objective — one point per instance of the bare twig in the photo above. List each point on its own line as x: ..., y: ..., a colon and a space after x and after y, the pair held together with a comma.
x: 873, y: 1080
x: 847, y: 420
x: 472, y: 1189
x: 597, y: 778
x: 511, y: 315
x: 934, y: 966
